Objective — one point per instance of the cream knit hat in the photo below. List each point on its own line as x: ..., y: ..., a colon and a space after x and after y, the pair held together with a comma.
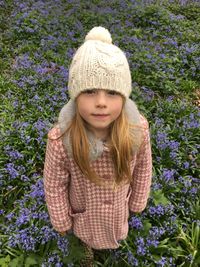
x: 98, y: 64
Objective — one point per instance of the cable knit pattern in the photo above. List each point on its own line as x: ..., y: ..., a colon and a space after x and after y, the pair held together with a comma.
x: 99, y: 64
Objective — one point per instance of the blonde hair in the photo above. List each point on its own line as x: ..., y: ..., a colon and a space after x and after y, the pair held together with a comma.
x: 124, y: 141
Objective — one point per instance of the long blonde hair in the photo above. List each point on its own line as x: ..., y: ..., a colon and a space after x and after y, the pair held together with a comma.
x: 124, y: 141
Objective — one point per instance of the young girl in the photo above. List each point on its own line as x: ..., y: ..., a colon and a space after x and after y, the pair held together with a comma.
x: 98, y: 163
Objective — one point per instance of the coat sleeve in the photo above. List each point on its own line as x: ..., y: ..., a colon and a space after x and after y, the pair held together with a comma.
x: 56, y: 181
x: 142, y: 174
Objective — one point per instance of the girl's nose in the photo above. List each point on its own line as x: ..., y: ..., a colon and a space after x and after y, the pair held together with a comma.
x: 101, y: 99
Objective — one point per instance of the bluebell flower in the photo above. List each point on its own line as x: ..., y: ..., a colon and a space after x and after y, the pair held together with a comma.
x: 136, y: 223
x: 168, y: 175
x: 186, y: 165
x: 26, y: 239
x: 63, y: 245
x: 141, y: 248
x: 162, y: 140
x: 52, y: 260
x: 156, y: 231
x: 132, y: 260
x: 193, y: 191
x: 156, y: 186
x: 2, y: 212
x: 23, y: 217
x: 157, y: 211
x: 37, y: 190
x: 152, y: 242
x: 115, y: 254
x: 162, y: 262
x: 9, y: 216
x: 47, y: 234
x: 12, y: 241
x: 11, y: 169
x: 14, y: 154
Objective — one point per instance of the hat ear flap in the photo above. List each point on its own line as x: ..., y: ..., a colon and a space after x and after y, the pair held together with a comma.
x: 132, y: 112
x: 66, y: 115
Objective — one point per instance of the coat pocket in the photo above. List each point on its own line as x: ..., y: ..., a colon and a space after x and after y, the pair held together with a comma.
x: 80, y: 225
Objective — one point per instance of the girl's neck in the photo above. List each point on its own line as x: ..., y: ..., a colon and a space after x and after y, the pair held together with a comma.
x: 102, y: 135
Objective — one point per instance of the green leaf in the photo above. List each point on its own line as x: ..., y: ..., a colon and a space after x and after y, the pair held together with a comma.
x: 31, y: 260
x: 159, y: 198
x: 146, y: 227
x: 17, y: 261
x: 77, y: 251
x: 4, y: 261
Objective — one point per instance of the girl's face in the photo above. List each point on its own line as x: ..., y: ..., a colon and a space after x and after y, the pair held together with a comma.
x: 99, y: 108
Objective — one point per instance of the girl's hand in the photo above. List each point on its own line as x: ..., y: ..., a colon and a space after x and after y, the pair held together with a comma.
x: 66, y: 232
x: 62, y: 233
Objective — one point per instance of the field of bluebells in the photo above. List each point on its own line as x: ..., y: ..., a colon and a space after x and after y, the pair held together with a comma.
x: 162, y: 42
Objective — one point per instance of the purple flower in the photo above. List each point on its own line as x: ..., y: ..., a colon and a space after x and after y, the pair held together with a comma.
x: 186, y: 165
x: 162, y: 262
x: 24, y: 217
x: 141, y: 249
x: 158, y: 159
x: 10, y: 168
x: 168, y: 175
x: 162, y: 140
x: 14, y: 154
x: 132, y: 260
x: 2, y: 212
x: 12, y: 241
x: 170, y: 98
x: 47, y: 234
x: 10, y: 215
x: 37, y: 190
x: 193, y: 191
x: 162, y: 55
x: 148, y: 93
x: 156, y: 186
x: 63, y: 245
x: 115, y: 254
x: 173, y: 144
x: 26, y: 239
x: 174, y: 155
x: 24, y: 178
x: 52, y: 260
x: 157, y: 211
x: 135, y: 223
x: 152, y: 242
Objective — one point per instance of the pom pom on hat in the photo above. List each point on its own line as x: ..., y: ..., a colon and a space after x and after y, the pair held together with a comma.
x: 99, y: 34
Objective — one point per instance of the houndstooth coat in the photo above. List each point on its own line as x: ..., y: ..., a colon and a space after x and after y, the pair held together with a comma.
x: 97, y: 215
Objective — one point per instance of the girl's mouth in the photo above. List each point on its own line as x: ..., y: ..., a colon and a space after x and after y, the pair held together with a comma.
x: 100, y: 116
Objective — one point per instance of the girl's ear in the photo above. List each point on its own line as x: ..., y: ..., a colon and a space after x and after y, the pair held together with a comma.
x: 66, y: 115
x: 132, y: 112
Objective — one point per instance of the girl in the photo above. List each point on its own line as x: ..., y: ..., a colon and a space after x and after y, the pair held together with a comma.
x: 98, y: 163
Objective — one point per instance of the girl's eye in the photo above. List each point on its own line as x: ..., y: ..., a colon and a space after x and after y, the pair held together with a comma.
x: 113, y: 93
x: 89, y: 92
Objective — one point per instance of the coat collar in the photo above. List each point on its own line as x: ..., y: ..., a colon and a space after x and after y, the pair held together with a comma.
x: 96, y: 146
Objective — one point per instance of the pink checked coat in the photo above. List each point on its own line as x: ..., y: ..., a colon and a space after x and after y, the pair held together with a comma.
x: 97, y: 215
